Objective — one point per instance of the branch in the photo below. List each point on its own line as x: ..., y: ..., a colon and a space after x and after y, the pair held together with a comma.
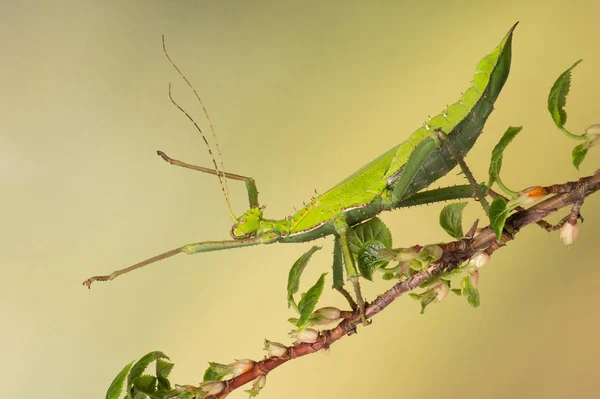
x: 455, y: 253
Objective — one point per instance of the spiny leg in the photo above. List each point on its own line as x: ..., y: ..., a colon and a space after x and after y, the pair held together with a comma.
x: 341, y: 228
x: 463, y: 165
x: 190, y: 249
x: 338, y: 273
x: 250, y: 183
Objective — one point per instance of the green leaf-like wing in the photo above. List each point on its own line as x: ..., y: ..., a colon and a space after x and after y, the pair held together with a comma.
x: 309, y: 301
x: 216, y: 371
x: 141, y: 365
x: 498, y: 215
x: 369, y: 259
x: 558, y: 97
x: 116, y: 387
x: 497, y: 152
x: 372, y: 230
x: 451, y: 219
x: 296, y: 272
x: 579, y: 153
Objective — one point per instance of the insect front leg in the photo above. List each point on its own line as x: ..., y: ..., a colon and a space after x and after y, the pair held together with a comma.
x: 341, y: 231
x: 250, y: 183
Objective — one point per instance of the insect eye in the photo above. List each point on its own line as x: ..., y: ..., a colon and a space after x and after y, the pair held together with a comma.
x: 242, y: 221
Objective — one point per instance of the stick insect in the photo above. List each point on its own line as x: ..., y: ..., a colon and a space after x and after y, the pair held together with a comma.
x: 390, y: 181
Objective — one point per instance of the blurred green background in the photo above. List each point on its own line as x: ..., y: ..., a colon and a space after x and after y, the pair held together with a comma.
x: 301, y: 94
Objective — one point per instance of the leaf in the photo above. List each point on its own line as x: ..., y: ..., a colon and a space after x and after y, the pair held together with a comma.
x: 372, y: 230
x: 296, y: 272
x: 457, y: 291
x: 141, y: 365
x: 451, y: 219
x: 369, y: 259
x: 116, y: 387
x: 469, y: 290
x: 163, y: 369
x: 579, y: 153
x: 498, y: 151
x: 498, y: 215
x: 425, y: 298
x: 390, y: 275
x: 557, y: 98
x: 309, y: 301
x: 216, y: 371
x: 145, y: 383
x: 338, y: 265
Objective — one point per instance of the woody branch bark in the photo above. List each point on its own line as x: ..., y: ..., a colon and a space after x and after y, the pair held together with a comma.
x: 455, y: 253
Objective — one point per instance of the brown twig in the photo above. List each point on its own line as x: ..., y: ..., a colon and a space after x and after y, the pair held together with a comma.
x: 455, y: 253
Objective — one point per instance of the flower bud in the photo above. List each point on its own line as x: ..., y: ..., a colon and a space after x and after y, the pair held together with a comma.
x: 327, y: 315
x: 435, y: 251
x: 274, y: 348
x: 260, y: 382
x: 308, y: 335
x: 593, y: 134
x: 569, y: 232
x: 531, y: 194
x: 479, y: 259
x: 241, y: 366
x: 212, y: 387
x: 441, y: 289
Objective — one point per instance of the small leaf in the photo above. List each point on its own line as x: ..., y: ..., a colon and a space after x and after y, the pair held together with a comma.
x: 425, y: 298
x: 145, y: 383
x: 498, y: 215
x: 469, y: 290
x: 296, y: 272
x: 216, y: 371
x: 451, y: 219
x: 116, y: 387
x: 457, y: 291
x: 372, y: 230
x: 163, y: 369
x: 498, y: 151
x: 369, y: 259
x: 309, y: 301
x: 579, y: 153
x: 390, y: 275
x: 141, y: 365
x: 338, y: 265
x: 557, y: 98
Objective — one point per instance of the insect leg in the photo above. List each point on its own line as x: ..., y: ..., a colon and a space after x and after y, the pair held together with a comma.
x: 341, y: 228
x: 190, y: 249
x: 250, y: 183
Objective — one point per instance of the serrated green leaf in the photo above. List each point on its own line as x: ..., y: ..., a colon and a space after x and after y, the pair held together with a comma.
x: 309, y: 301
x: 469, y: 290
x: 116, y: 387
x: 141, y: 365
x: 369, y: 259
x: 372, y: 230
x: 145, y: 383
x: 163, y: 368
x: 451, y: 219
x: 579, y: 153
x: 296, y: 272
x: 557, y: 98
x: 498, y: 151
x: 425, y: 298
x: 498, y: 215
x: 216, y: 371
x: 338, y: 265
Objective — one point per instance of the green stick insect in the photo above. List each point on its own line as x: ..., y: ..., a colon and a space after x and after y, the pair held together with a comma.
x: 390, y: 181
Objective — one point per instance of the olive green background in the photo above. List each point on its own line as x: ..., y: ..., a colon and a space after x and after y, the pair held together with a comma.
x: 301, y: 94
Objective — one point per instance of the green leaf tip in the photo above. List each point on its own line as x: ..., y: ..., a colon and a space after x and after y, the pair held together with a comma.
x: 497, y: 155
x: 370, y: 260
x: 296, y: 272
x: 116, y: 387
x: 216, y: 371
x: 557, y: 98
x: 579, y: 153
x: 451, y: 219
x: 309, y: 301
x: 498, y: 215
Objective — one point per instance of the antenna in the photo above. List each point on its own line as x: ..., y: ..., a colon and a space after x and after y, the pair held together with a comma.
x: 221, y: 170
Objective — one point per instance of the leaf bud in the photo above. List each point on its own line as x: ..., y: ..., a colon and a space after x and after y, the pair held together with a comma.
x: 308, y: 335
x: 327, y: 315
x: 569, y: 232
x: 479, y: 259
x: 531, y: 194
x: 241, y: 366
x: 212, y: 387
x: 274, y: 349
